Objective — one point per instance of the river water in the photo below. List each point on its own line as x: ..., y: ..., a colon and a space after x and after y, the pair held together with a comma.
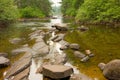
x: 96, y: 35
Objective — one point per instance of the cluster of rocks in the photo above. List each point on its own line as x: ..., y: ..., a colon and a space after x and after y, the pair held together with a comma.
x: 111, y: 70
x: 20, y: 69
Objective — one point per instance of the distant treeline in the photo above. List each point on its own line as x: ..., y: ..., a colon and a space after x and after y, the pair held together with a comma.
x: 93, y: 11
x: 10, y: 10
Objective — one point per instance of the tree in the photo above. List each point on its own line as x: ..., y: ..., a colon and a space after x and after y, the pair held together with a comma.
x: 8, y: 11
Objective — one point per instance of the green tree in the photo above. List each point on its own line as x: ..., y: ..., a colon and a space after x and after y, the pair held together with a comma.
x: 42, y: 7
x: 8, y: 11
x: 99, y: 10
x: 70, y: 7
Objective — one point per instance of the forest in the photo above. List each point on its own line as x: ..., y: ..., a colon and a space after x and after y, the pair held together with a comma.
x: 11, y: 10
x: 92, y: 10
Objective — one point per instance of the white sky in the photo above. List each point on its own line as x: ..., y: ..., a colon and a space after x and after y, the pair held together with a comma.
x: 56, y: 2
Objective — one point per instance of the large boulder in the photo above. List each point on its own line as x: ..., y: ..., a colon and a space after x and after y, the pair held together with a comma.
x: 19, y: 66
x: 74, y: 46
x: 4, y: 61
x: 112, y: 70
x: 57, y: 71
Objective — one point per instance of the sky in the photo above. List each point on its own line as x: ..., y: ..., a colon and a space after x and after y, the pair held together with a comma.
x: 56, y: 2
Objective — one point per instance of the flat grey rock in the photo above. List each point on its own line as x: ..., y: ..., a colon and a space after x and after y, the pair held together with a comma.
x: 57, y: 71
x: 19, y: 66
x: 4, y: 61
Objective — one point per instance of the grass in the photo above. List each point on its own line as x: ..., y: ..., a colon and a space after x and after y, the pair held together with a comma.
x: 103, y: 41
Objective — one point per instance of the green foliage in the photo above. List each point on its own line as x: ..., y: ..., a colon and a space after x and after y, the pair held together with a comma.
x: 8, y: 11
x: 42, y: 7
x: 70, y: 7
x: 30, y: 12
x: 99, y: 10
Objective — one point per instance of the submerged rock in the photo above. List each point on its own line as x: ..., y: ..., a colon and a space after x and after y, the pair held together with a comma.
x: 112, y: 70
x: 74, y: 46
x: 85, y: 59
x: 57, y: 71
x: 3, y: 54
x: 19, y: 66
x: 79, y: 54
x: 4, y: 61
x: 15, y: 40
x: 101, y: 66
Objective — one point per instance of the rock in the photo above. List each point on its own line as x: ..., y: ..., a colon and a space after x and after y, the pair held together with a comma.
x: 60, y: 27
x: 55, y: 37
x: 64, y: 43
x: 4, y: 61
x: 57, y: 71
x: 59, y: 38
x: 83, y: 28
x: 91, y: 55
x: 63, y: 47
x: 15, y: 40
x: 22, y: 75
x: 85, y: 59
x: 40, y: 48
x: 74, y: 46
x: 101, y: 66
x: 112, y: 70
x: 75, y: 77
x: 19, y: 66
x: 60, y: 59
x: 79, y: 54
x: 88, y: 52
x: 3, y: 54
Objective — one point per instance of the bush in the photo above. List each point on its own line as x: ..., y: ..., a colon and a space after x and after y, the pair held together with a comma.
x: 30, y: 12
x: 8, y: 11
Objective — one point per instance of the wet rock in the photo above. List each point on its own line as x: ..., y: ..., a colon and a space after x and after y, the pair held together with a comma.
x: 59, y: 38
x: 19, y: 66
x: 85, y: 59
x: 60, y: 59
x: 57, y: 71
x: 40, y: 48
x: 83, y: 28
x: 74, y: 46
x: 4, y: 62
x: 63, y: 47
x: 22, y: 75
x: 79, y: 54
x: 37, y: 33
x: 60, y: 27
x: 55, y: 37
x: 64, y: 43
x: 16, y: 40
x: 3, y: 54
x: 112, y: 70
x: 101, y: 66
x: 91, y: 55
x: 80, y: 76
x: 75, y: 77
x: 88, y: 52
